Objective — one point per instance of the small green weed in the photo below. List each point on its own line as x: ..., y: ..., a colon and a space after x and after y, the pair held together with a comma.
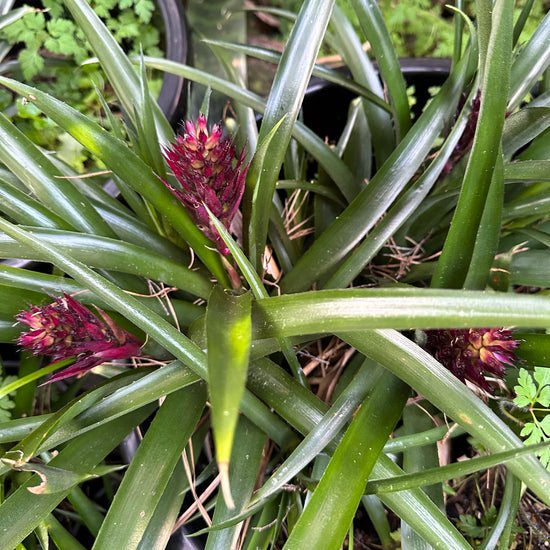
x: 532, y: 389
x: 51, y: 51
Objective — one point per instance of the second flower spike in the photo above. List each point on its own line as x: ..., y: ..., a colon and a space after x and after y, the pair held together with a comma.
x: 66, y: 328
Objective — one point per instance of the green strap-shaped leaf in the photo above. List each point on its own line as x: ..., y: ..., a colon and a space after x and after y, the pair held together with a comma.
x: 533, y: 204
x: 531, y: 267
x: 105, y: 253
x: 456, y: 257
x: 430, y: 379
x: 504, y: 527
x: 320, y: 71
x: 328, y: 514
x: 144, y: 482
x: 521, y: 127
x: 285, y: 100
x: 403, y: 308
x: 60, y: 536
x: 166, y: 513
x: 439, y: 474
x: 228, y: 333
x: 530, y: 62
x: 416, y: 419
x: 488, y: 234
x: 23, y: 511
x: 527, y: 171
x: 57, y: 480
x: 344, y: 39
x: 373, y: 25
x: 259, y: 291
x: 132, y: 230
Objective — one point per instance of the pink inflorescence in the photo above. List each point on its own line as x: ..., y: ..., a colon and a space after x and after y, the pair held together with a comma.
x: 202, y: 162
x: 469, y: 353
x: 65, y: 328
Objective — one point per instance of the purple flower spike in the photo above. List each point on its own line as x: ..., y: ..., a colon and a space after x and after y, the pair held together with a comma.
x: 202, y: 162
x: 67, y: 329
x: 469, y: 353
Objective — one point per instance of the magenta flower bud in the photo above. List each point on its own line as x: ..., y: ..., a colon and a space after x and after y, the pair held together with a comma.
x: 65, y: 328
x: 203, y: 163
x: 469, y: 353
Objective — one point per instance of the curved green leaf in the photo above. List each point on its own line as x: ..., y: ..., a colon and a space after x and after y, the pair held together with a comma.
x: 145, y: 481
x: 329, y: 512
x: 430, y: 379
x: 344, y: 39
x: 101, y: 252
x: 528, y: 171
x: 456, y: 256
x: 327, y: 311
x: 534, y: 204
x: 33, y: 443
x: 259, y: 291
x: 319, y: 71
x: 440, y: 474
x: 531, y: 268
x: 505, y: 523
x: 22, y: 208
x: 284, y: 102
x: 488, y: 234
x: 373, y: 25
x: 521, y: 127
x: 530, y: 63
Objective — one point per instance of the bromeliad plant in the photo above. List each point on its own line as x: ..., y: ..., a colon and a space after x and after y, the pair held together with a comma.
x: 348, y: 296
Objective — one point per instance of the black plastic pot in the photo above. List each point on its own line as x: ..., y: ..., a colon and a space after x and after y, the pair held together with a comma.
x: 173, y: 93
x: 322, y: 96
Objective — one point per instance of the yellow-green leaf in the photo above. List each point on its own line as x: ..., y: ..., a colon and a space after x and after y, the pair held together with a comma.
x: 228, y: 332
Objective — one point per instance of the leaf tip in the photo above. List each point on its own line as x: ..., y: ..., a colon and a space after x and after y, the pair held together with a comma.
x: 223, y: 468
